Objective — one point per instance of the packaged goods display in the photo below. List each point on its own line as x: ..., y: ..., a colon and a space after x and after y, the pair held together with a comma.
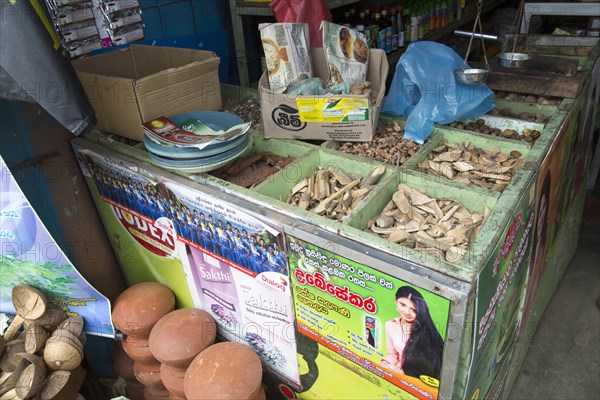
x: 85, y: 26
x: 347, y: 54
x: 286, y: 52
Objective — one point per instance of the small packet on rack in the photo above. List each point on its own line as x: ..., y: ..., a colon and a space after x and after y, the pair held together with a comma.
x: 346, y: 53
x: 286, y: 53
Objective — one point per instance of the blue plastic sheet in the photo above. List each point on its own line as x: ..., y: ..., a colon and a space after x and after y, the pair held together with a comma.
x: 425, y: 90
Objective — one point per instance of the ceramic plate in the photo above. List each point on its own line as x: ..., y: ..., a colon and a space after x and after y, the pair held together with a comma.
x: 202, y: 164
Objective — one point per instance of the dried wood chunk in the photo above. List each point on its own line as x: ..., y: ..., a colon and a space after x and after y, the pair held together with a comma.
x: 461, y: 162
x: 333, y: 193
x: 441, y: 228
x: 388, y: 145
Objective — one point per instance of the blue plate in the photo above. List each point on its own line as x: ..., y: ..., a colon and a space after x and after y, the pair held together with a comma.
x: 216, y: 120
x: 192, y: 152
x: 201, y: 164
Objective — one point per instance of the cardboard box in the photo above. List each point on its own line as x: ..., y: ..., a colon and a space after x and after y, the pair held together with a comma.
x: 282, y: 120
x: 130, y: 86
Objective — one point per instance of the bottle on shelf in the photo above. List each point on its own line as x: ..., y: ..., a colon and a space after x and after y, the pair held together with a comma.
x: 414, y: 24
x: 400, y: 24
x: 386, y: 23
x: 407, y: 21
x: 353, y: 17
x: 347, y: 21
x: 394, y: 22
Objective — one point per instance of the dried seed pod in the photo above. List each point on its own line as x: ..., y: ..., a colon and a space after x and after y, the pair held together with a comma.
x: 29, y: 302
x: 74, y: 325
x: 10, y: 360
x: 62, y: 354
x: 35, y: 338
x: 53, y: 316
x: 31, y: 380
x: 61, y: 385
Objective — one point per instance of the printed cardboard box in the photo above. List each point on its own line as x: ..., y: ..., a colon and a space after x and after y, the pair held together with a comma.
x: 130, y: 86
x: 329, y: 117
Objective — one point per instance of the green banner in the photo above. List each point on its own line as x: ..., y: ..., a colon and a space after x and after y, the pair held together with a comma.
x: 385, y: 335
x: 499, y: 304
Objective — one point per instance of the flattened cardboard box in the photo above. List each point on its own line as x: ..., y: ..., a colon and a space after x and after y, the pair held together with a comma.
x: 282, y: 120
x: 130, y: 86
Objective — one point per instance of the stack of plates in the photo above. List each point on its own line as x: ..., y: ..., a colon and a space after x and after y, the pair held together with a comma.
x: 194, y: 160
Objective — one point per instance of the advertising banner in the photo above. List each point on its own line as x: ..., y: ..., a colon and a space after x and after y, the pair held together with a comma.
x: 29, y: 255
x: 499, y: 301
x: 560, y: 176
x: 240, y: 275
x: 137, y: 220
x: 360, y: 325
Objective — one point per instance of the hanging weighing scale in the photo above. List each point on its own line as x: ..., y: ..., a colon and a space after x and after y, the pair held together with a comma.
x: 512, y: 59
x: 474, y: 76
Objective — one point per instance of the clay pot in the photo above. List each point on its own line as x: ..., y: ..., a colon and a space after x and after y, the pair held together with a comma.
x: 139, y: 350
x: 225, y: 370
x: 123, y: 364
x: 148, y: 374
x: 262, y: 395
x: 139, y: 307
x: 151, y: 393
x: 135, y: 390
x: 178, y: 337
x: 173, y: 378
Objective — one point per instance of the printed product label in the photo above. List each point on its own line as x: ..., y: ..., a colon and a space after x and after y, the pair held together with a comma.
x: 342, y: 109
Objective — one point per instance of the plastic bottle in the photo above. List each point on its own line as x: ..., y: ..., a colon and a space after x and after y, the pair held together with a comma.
x: 414, y: 24
x: 407, y: 20
x: 346, y: 21
x: 386, y: 23
x: 421, y: 21
x: 395, y: 32
x: 401, y: 28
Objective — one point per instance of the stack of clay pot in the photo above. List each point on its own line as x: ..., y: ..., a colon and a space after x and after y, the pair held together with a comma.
x: 135, y: 313
x: 176, y: 340
x: 225, y: 370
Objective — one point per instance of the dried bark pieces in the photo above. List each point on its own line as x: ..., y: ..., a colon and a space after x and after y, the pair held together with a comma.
x: 388, y: 145
x: 439, y: 227
x: 249, y: 172
x: 462, y: 162
x: 333, y: 193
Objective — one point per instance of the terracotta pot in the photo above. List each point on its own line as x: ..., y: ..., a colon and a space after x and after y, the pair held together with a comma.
x: 135, y: 390
x: 148, y: 374
x: 172, y: 378
x: 151, y: 393
x: 139, y: 350
x: 225, y: 370
x: 173, y: 396
x: 138, y: 308
x: 123, y: 364
x: 178, y: 337
x: 262, y: 395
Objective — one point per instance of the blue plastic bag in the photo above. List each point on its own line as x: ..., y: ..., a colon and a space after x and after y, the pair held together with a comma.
x: 425, y: 90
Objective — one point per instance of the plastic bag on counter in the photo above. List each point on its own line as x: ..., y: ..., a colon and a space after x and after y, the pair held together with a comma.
x: 346, y: 53
x: 286, y: 53
x: 311, y: 12
x: 425, y: 90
